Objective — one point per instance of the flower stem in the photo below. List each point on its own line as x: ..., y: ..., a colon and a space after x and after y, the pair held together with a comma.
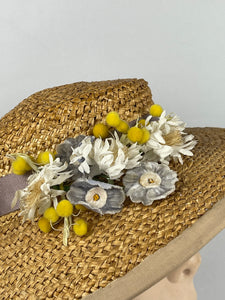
x: 66, y: 231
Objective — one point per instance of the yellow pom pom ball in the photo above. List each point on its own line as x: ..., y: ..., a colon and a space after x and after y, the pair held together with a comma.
x: 100, y: 130
x: 141, y: 123
x: 122, y: 127
x: 44, y: 225
x: 51, y: 215
x: 135, y: 134
x: 80, y: 227
x: 80, y: 207
x: 113, y: 119
x: 156, y: 110
x: 43, y: 157
x: 20, y: 166
x: 64, y: 208
x: 145, y: 137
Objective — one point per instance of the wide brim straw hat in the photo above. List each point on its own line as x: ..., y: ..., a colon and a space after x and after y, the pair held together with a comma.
x: 127, y: 252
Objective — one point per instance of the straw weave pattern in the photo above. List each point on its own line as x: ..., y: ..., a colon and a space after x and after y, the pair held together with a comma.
x: 37, y: 266
x: 48, y: 117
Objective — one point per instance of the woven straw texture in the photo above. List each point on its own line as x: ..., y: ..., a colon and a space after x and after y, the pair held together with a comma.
x: 35, y: 265
x: 48, y: 117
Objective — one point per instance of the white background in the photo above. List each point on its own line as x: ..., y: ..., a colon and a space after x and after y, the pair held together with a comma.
x: 178, y: 46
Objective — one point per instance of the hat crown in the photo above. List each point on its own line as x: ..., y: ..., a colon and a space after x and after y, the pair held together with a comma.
x: 48, y: 117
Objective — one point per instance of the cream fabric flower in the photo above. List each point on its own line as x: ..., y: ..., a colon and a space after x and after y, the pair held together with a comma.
x: 38, y: 195
x: 109, y: 156
x: 168, y: 139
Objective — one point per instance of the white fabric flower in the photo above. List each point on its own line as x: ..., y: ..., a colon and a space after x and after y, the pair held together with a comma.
x: 81, y: 154
x: 38, y: 195
x: 109, y: 156
x: 183, y: 149
x: 167, y: 138
x: 112, y: 156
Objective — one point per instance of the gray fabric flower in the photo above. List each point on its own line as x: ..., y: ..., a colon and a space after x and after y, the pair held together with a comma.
x: 64, y: 152
x: 98, y: 196
x: 151, y: 181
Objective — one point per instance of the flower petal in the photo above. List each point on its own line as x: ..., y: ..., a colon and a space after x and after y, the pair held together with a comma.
x: 147, y: 193
x: 81, y: 188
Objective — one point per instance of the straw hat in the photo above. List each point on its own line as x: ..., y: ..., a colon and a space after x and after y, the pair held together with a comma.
x: 124, y: 253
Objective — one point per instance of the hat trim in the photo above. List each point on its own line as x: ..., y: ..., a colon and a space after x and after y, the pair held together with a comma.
x: 158, y: 265
x: 9, y: 184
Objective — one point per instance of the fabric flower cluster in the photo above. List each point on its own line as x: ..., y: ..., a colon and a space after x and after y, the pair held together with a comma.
x: 98, y: 172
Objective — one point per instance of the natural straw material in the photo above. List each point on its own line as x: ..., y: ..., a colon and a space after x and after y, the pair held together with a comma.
x: 37, y: 265
x: 159, y: 265
x: 48, y: 117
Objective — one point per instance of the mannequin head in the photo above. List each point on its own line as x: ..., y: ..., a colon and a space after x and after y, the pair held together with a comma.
x: 178, y: 285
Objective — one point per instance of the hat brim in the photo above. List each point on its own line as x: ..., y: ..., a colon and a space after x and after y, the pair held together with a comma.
x: 139, y: 239
x: 158, y: 265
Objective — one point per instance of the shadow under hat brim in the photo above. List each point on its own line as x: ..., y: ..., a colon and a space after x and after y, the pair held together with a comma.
x: 134, y: 248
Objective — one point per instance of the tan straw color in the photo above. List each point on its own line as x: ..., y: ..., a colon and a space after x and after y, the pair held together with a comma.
x: 48, y: 117
x: 35, y: 265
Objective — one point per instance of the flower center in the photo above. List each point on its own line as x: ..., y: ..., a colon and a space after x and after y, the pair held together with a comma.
x: 173, y: 138
x: 96, y: 197
x: 150, y: 180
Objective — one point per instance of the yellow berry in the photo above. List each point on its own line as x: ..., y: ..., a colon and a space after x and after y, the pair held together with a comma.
x: 20, y: 166
x: 44, y: 225
x: 145, y: 137
x: 141, y: 123
x: 28, y: 167
x: 113, y: 119
x: 64, y: 208
x: 80, y: 227
x: 51, y: 215
x: 156, y: 110
x: 122, y: 127
x: 43, y: 157
x: 80, y: 207
x: 135, y: 134
x: 100, y: 130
